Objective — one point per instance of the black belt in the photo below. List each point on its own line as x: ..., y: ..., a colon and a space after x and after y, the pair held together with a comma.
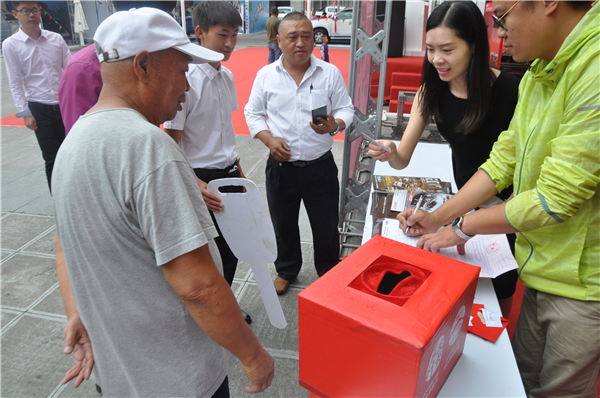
x: 306, y: 163
x: 55, y: 107
x: 218, y: 173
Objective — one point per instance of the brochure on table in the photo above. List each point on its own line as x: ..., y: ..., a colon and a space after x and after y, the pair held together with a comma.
x: 490, y: 252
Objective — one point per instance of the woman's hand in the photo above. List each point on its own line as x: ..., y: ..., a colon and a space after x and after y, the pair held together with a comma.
x: 379, y: 154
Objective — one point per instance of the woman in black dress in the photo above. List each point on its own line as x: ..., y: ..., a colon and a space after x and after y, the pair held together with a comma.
x: 470, y: 102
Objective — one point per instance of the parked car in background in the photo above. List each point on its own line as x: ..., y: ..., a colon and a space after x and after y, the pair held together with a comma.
x: 329, y: 10
x: 337, y: 27
x: 283, y: 11
x: 10, y: 25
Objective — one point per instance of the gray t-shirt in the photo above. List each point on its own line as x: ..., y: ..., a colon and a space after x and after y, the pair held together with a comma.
x: 126, y: 202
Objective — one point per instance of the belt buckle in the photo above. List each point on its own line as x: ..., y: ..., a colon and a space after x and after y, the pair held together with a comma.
x: 299, y: 163
x: 233, y: 169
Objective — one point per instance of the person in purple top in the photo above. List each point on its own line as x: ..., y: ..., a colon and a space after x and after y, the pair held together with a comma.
x: 80, y: 86
x: 81, y: 82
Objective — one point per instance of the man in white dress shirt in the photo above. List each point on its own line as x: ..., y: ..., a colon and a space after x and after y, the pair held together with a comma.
x: 301, y: 166
x: 35, y: 59
x: 204, y: 128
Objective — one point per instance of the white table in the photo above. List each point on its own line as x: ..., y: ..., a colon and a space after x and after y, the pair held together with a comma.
x: 485, y: 369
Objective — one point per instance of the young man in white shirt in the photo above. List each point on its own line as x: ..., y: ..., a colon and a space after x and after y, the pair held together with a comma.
x: 204, y: 127
x: 301, y: 165
x: 35, y: 59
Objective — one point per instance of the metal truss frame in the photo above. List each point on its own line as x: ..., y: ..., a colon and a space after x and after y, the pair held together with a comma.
x: 366, y: 59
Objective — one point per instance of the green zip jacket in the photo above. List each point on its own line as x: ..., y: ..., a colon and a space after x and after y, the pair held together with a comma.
x: 551, y: 154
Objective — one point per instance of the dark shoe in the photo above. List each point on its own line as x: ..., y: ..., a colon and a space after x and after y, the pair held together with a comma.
x: 247, y: 317
x: 281, y: 285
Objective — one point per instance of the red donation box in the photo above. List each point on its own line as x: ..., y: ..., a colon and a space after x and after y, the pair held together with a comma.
x: 390, y: 320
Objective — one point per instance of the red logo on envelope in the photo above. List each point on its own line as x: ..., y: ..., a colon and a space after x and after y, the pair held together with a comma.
x: 486, y: 324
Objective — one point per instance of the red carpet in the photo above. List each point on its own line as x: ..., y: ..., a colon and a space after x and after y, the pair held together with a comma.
x: 12, y: 121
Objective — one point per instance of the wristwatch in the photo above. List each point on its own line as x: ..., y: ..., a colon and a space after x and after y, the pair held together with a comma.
x: 336, y: 130
x: 456, y: 228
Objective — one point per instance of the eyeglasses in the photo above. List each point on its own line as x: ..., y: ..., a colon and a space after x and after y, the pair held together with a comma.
x: 26, y: 12
x: 498, y: 21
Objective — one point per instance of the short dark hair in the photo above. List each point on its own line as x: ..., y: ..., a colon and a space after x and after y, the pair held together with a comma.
x: 15, y: 4
x: 126, y: 5
x: 576, y: 5
x: 274, y: 11
x: 210, y: 13
x: 293, y: 16
x: 466, y: 21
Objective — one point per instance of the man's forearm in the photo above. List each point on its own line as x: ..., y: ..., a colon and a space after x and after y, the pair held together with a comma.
x: 175, y: 134
x: 341, y: 123
x: 63, y: 281
x: 487, y: 222
x: 219, y: 315
x: 265, y: 136
x: 210, y: 302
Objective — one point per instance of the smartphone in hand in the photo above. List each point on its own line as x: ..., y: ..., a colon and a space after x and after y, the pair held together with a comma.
x: 319, y: 112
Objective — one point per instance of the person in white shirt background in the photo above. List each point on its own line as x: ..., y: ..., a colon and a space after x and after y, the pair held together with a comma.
x: 301, y: 166
x: 204, y: 128
x: 35, y: 59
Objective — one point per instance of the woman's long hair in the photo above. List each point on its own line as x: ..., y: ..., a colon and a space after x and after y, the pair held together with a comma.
x: 467, y: 22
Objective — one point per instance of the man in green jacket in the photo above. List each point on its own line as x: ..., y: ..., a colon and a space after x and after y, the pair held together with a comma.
x: 551, y: 155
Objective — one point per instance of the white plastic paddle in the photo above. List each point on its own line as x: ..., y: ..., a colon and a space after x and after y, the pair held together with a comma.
x: 246, y: 226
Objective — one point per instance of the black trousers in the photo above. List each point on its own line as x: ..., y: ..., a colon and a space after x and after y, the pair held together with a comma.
x: 223, y: 390
x: 505, y: 285
x: 318, y: 187
x: 50, y: 133
x: 228, y: 259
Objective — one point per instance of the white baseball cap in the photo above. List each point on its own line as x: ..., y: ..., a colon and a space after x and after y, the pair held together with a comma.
x: 125, y: 33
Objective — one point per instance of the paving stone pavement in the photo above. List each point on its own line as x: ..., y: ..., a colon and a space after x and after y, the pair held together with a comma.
x: 32, y: 314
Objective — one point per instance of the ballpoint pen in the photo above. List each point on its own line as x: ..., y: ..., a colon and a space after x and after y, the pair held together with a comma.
x: 417, y: 207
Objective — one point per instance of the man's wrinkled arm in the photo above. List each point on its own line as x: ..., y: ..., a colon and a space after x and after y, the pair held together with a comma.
x: 211, y: 303
x: 77, y: 340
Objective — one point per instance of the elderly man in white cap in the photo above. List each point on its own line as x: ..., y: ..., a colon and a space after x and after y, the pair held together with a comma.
x: 144, y: 270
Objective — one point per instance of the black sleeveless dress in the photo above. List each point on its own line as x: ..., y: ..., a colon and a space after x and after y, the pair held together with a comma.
x: 472, y: 150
